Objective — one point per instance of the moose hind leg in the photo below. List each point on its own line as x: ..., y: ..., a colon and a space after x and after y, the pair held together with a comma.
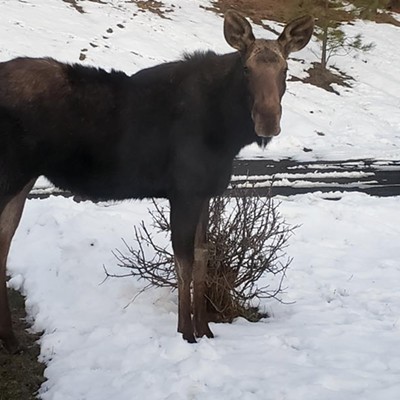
x: 200, y: 319
x: 10, y: 215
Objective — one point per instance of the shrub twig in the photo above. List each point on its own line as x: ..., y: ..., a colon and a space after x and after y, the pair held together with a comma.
x: 247, y: 238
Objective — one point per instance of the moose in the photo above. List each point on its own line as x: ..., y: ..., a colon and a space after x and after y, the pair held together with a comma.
x: 170, y: 131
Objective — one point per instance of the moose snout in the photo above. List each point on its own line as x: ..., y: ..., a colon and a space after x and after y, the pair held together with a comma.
x: 267, y: 123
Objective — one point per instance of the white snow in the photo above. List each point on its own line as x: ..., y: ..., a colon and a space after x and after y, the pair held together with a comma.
x: 337, y: 336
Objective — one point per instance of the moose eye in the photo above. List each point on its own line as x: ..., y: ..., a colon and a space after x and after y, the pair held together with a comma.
x: 246, y: 70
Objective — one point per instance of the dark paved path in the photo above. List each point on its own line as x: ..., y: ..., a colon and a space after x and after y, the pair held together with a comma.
x: 375, y: 177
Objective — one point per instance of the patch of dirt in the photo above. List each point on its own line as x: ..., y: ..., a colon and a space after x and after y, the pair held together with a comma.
x: 285, y: 10
x: 276, y: 10
x: 21, y: 375
x: 153, y: 6
x: 325, y: 78
x: 386, y: 18
x: 75, y: 5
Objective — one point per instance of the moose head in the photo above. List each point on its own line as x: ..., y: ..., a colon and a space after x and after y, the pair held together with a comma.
x: 265, y: 66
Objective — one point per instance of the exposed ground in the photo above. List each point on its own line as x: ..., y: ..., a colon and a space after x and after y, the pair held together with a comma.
x: 283, y: 11
x: 21, y: 375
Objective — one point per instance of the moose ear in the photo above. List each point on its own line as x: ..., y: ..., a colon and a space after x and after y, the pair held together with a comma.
x: 296, y: 34
x: 237, y: 31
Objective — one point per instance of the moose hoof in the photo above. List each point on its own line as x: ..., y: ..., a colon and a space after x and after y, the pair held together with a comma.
x: 206, y: 331
x: 189, y: 338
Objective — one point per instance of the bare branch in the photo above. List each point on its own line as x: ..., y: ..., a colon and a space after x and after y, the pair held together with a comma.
x: 247, y: 238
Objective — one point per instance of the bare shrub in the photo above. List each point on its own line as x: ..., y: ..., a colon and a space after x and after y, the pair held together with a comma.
x: 247, y: 238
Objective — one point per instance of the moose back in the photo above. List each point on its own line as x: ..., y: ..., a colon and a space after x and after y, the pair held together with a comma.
x: 169, y: 131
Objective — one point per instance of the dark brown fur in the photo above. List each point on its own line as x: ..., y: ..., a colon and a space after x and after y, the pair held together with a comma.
x: 169, y: 131
x: 30, y: 80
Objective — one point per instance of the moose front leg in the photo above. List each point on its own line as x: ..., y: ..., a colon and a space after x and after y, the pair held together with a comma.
x: 200, y: 319
x: 185, y: 216
x: 183, y: 268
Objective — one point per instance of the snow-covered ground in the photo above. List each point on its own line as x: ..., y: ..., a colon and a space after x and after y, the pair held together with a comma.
x: 338, y: 336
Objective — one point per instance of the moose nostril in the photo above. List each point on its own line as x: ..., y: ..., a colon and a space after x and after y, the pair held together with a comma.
x: 266, y: 124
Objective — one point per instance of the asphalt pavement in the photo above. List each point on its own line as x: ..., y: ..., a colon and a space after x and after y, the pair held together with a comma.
x: 289, y: 177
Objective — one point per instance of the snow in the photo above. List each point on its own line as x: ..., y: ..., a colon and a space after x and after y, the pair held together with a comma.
x: 336, y: 335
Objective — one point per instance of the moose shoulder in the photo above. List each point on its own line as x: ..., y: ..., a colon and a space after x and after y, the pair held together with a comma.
x: 169, y: 131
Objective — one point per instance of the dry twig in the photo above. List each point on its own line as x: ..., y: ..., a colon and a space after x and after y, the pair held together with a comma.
x: 247, y: 239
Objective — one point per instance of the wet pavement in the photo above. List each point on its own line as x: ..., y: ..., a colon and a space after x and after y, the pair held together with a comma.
x: 375, y: 177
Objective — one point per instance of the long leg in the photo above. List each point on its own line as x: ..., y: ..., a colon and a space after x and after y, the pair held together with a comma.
x: 185, y: 215
x: 10, y: 215
x: 201, y: 327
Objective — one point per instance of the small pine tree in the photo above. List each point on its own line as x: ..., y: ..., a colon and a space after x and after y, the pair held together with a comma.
x: 333, y: 39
